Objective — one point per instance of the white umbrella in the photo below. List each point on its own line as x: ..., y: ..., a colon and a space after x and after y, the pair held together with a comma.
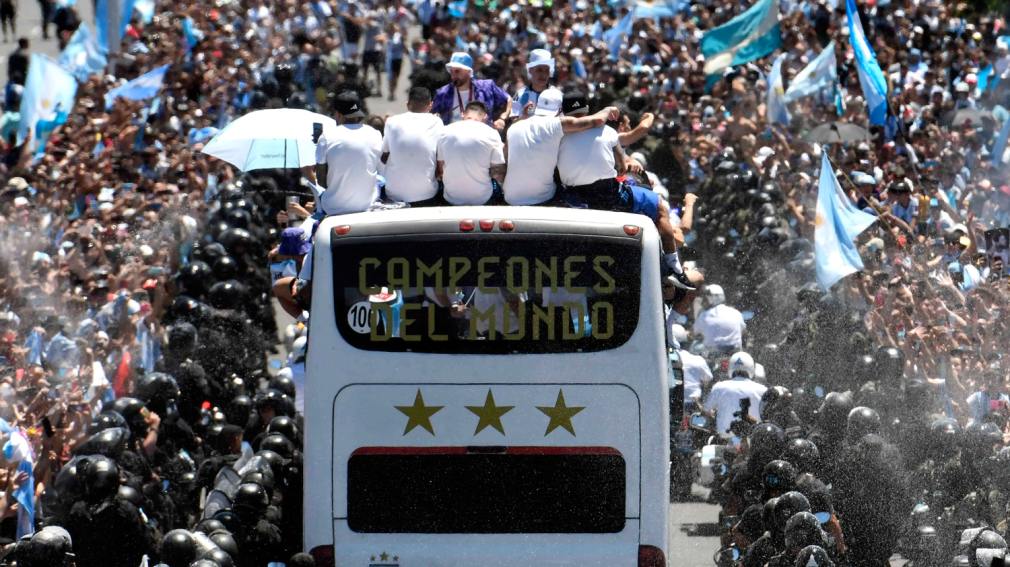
x: 279, y: 138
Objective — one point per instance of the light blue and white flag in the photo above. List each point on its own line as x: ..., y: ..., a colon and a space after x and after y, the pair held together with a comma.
x: 749, y: 36
x: 18, y: 449
x: 143, y: 87
x: 34, y: 346
x: 190, y: 33
x: 776, y: 108
x: 818, y: 75
x: 837, y: 224
x: 871, y: 78
x: 999, y: 148
x: 615, y: 35
x: 457, y: 8
x: 83, y: 56
x: 146, y: 10
x: 49, y: 89
x: 657, y: 9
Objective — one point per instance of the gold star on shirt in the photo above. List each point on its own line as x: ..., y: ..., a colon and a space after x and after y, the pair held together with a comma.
x: 560, y: 415
x: 489, y: 414
x: 418, y: 415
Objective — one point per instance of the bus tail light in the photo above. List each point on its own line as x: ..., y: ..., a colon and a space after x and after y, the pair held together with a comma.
x: 486, y: 225
x: 632, y: 230
x: 507, y: 226
x: 649, y: 556
x: 466, y: 225
x: 323, y: 555
x: 342, y: 229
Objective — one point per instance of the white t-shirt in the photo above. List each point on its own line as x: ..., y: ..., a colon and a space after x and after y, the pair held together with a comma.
x: 696, y: 373
x: 721, y: 326
x: 533, y: 154
x: 411, y: 139
x: 587, y: 156
x: 352, y: 154
x: 468, y: 149
x: 725, y: 398
x: 457, y: 109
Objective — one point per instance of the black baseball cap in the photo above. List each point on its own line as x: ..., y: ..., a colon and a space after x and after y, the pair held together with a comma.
x: 575, y: 102
x: 348, y: 103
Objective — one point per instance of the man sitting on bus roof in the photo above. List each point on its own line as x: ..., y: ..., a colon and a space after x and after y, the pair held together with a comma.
x: 350, y: 153
x: 469, y: 155
x: 408, y: 150
x: 589, y: 163
x: 533, y: 146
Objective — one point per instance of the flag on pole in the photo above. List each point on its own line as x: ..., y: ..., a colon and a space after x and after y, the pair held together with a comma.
x: 107, y: 24
x: 818, y: 75
x: 49, y: 90
x: 615, y: 35
x: 83, y: 56
x: 143, y: 87
x: 871, y: 78
x: 191, y: 33
x: 749, y: 36
x: 776, y: 109
x: 837, y: 223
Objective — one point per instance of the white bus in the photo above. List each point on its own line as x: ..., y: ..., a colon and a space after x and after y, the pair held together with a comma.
x: 487, y: 386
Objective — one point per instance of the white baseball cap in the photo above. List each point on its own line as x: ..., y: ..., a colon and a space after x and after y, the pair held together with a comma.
x: 549, y: 102
x: 540, y: 57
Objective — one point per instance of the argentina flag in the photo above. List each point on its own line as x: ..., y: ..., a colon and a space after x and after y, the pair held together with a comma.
x: 143, y: 87
x: 18, y: 450
x: 83, y: 56
x: 776, y: 107
x: 871, y: 78
x: 818, y: 75
x: 837, y: 224
x: 49, y: 89
x: 749, y: 36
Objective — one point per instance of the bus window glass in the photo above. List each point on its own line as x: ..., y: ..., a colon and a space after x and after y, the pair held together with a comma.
x: 487, y: 294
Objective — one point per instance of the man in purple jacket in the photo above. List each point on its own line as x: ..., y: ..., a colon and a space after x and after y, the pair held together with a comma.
x: 450, y: 101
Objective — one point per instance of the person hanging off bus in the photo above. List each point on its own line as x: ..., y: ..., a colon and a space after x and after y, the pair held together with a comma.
x: 590, y: 163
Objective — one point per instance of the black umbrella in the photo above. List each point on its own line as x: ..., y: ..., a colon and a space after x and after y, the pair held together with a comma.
x: 837, y: 132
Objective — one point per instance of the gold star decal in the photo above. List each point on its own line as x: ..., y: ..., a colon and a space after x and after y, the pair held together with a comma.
x: 418, y: 415
x: 561, y: 415
x: 384, y: 556
x: 489, y: 414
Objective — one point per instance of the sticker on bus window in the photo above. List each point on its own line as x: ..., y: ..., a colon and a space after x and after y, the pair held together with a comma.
x: 358, y: 317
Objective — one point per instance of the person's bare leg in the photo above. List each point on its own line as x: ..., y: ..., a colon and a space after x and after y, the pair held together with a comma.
x: 666, y: 231
x: 282, y: 291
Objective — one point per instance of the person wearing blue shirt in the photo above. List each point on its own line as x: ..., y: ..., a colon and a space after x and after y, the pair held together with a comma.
x: 989, y: 400
x: 903, y: 206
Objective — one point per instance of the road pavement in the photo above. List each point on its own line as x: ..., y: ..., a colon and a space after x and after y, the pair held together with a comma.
x: 29, y: 24
x: 693, y: 529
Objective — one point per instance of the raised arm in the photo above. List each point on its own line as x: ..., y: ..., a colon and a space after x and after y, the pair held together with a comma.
x: 638, y: 132
x: 579, y: 123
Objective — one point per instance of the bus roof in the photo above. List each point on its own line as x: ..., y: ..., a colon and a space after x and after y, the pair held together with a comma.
x: 525, y: 219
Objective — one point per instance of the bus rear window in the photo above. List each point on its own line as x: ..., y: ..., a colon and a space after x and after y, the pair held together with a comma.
x: 514, y: 490
x: 487, y: 294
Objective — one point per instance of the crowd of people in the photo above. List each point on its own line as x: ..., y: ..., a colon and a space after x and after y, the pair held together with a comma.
x: 139, y: 411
